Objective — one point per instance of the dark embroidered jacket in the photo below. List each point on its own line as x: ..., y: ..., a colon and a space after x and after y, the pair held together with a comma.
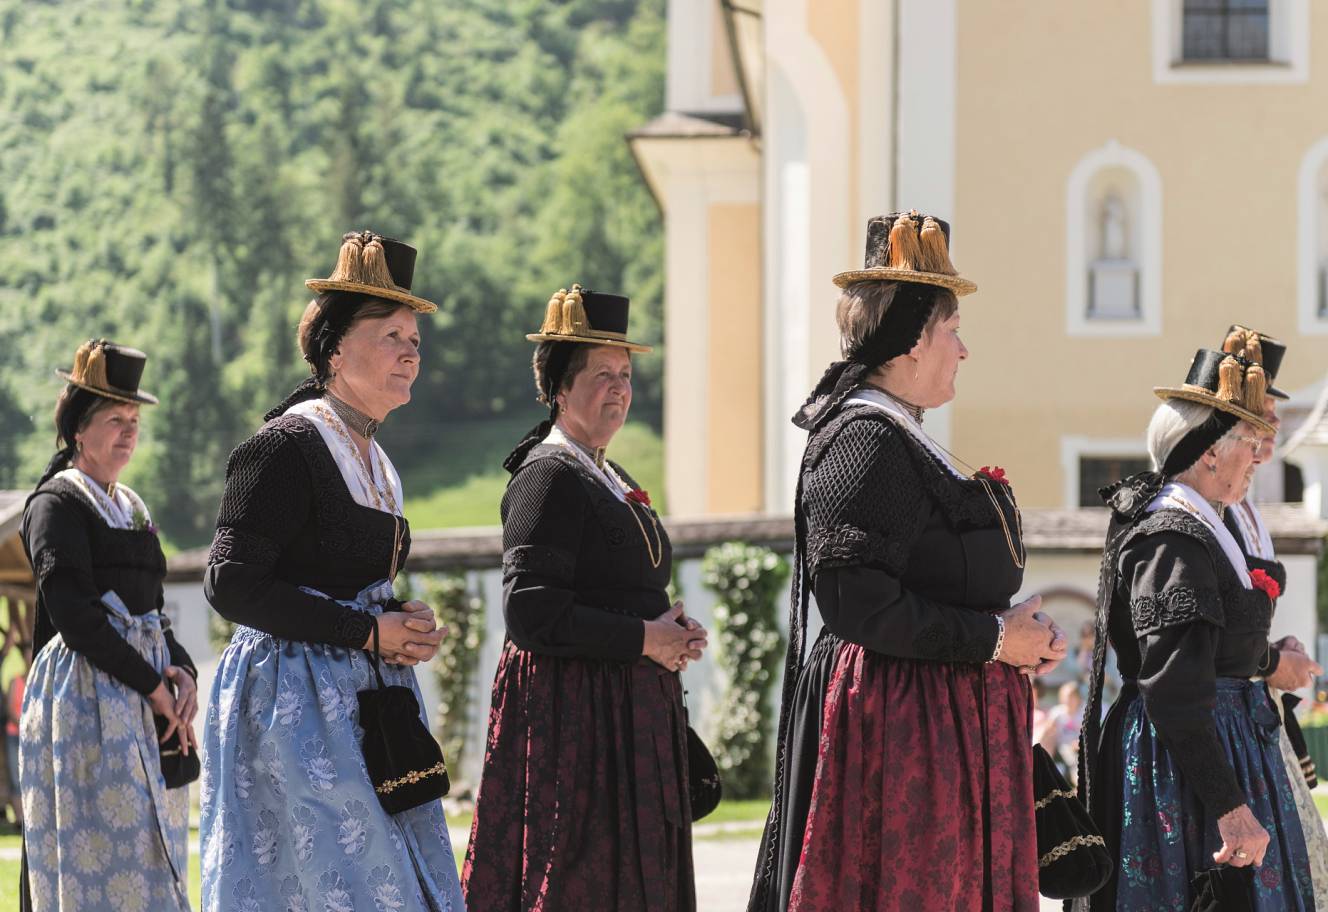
x: 1179, y: 619
x: 579, y: 571
x: 905, y: 558
x: 288, y: 520
x: 76, y: 557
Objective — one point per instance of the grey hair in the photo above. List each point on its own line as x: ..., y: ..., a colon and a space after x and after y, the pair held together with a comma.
x: 1171, y: 421
x: 862, y: 306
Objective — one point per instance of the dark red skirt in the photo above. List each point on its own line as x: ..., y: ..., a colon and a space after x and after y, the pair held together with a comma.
x: 583, y: 801
x: 923, y: 793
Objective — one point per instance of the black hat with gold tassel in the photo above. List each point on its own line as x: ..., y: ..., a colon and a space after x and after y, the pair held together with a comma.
x: 592, y: 317
x: 1232, y: 380
x: 376, y: 266
x: 109, y: 370
x: 908, y: 247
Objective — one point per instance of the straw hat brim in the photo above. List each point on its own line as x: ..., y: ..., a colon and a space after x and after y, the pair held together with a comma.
x: 392, y: 294
x: 1204, y: 397
x: 959, y: 285
x: 138, y: 398
x: 590, y: 340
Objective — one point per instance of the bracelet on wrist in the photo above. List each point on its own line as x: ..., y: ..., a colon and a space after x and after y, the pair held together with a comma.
x: 1000, y: 639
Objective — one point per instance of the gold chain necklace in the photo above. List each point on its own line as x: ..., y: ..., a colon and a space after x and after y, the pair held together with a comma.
x: 1020, y: 559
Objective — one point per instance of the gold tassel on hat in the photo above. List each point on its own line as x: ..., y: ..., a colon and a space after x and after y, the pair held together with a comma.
x: 553, y: 316
x: 574, y: 322
x: 348, y: 259
x: 905, y: 247
x: 1230, y: 381
x: 935, y: 253
x: 373, y: 265
x: 1256, y: 387
x: 90, y: 364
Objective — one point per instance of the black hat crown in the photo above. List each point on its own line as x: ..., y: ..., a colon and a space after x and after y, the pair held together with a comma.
x: 591, y: 317
x: 109, y: 370
x: 1232, y: 380
x: 374, y: 265
x: 908, y: 247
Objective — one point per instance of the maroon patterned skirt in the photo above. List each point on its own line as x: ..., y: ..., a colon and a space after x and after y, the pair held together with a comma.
x: 583, y: 801
x: 923, y: 793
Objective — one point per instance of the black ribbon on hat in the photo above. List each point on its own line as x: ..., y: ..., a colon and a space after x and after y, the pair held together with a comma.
x: 1129, y: 497
x: 555, y: 368
x: 899, y: 330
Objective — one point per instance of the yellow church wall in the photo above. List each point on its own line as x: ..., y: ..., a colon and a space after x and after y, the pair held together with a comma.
x: 734, y: 436
x: 1039, y: 87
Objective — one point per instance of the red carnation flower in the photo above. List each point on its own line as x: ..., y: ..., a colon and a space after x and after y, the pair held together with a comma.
x: 1262, y: 580
x: 995, y: 473
x: 639, y: 495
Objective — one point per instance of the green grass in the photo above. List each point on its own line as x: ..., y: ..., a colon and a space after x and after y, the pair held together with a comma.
x: 1321, y: 802
x: 753, y: 812
x: 463, y: 485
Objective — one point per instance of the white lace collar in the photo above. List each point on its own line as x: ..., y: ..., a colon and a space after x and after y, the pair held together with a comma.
x: 117, y: 509
x: 1179, y: 496
x: 880, y: 400
x: 605, y: 476
x: 382, y: 490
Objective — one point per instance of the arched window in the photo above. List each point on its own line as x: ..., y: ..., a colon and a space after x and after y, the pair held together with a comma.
x: 1113, y: 282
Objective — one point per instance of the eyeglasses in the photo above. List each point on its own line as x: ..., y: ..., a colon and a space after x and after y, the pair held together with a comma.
x: 1254, y: 441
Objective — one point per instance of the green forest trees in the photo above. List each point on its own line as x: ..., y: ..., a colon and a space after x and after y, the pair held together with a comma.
x: 171, y: 172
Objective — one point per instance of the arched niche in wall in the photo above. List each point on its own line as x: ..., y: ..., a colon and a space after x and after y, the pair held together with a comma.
x: 1113, y: 233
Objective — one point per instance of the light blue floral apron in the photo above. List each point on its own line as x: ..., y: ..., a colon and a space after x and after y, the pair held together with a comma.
x: 290, y: 821
x: 102, y: 831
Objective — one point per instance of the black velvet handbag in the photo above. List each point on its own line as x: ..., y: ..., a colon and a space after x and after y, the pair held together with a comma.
x: 405, y: 762
x: 1223, y: 889
x: 1072, y: 855
x: 177, y: 768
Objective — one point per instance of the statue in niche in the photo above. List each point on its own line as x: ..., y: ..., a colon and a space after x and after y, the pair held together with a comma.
x: 1113, y: 278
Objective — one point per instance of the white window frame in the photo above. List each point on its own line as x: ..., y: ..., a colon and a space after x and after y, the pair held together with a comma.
x: 1075, y: 448
x: 1288, y: 49
x: 1309, y: 232
x: 1149, y: 321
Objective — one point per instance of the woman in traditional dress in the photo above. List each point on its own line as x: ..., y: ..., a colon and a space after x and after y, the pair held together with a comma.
x: 309, y: 538
x: 1185, y: 774
x: 904, y: 776
x: 1288, y: 666
x: 102, y: 830
x: 584, y: 801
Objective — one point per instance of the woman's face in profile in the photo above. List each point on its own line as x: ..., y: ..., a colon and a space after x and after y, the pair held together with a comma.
x: 938, y: 354
x: 378, y: 361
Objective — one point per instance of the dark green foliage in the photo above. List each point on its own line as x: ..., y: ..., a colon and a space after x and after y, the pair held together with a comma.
x: 170, y: 173
x: 748, y: 580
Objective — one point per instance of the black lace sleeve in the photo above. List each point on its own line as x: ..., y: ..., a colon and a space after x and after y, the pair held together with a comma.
x: 57, y: 538
x: 866, y: 506
x: 544, y: 511
x: 267, y: 500
x: 1173, y: 592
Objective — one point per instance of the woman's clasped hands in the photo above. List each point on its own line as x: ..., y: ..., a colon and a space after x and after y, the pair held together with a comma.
x: 1033, y: 642
x: 409, y: 636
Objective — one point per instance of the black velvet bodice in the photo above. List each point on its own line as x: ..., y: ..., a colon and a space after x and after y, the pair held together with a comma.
x: 905, y: 558
x: 1179, y: 619
x: 581, y: 569
x: 287, y: 520
x: 76, y: 558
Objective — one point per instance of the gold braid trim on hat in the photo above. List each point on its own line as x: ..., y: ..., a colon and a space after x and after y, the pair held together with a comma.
x: 90, y: 364
x: 566, y: 314
x: 363, y: 261
x: 1240, y: 377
